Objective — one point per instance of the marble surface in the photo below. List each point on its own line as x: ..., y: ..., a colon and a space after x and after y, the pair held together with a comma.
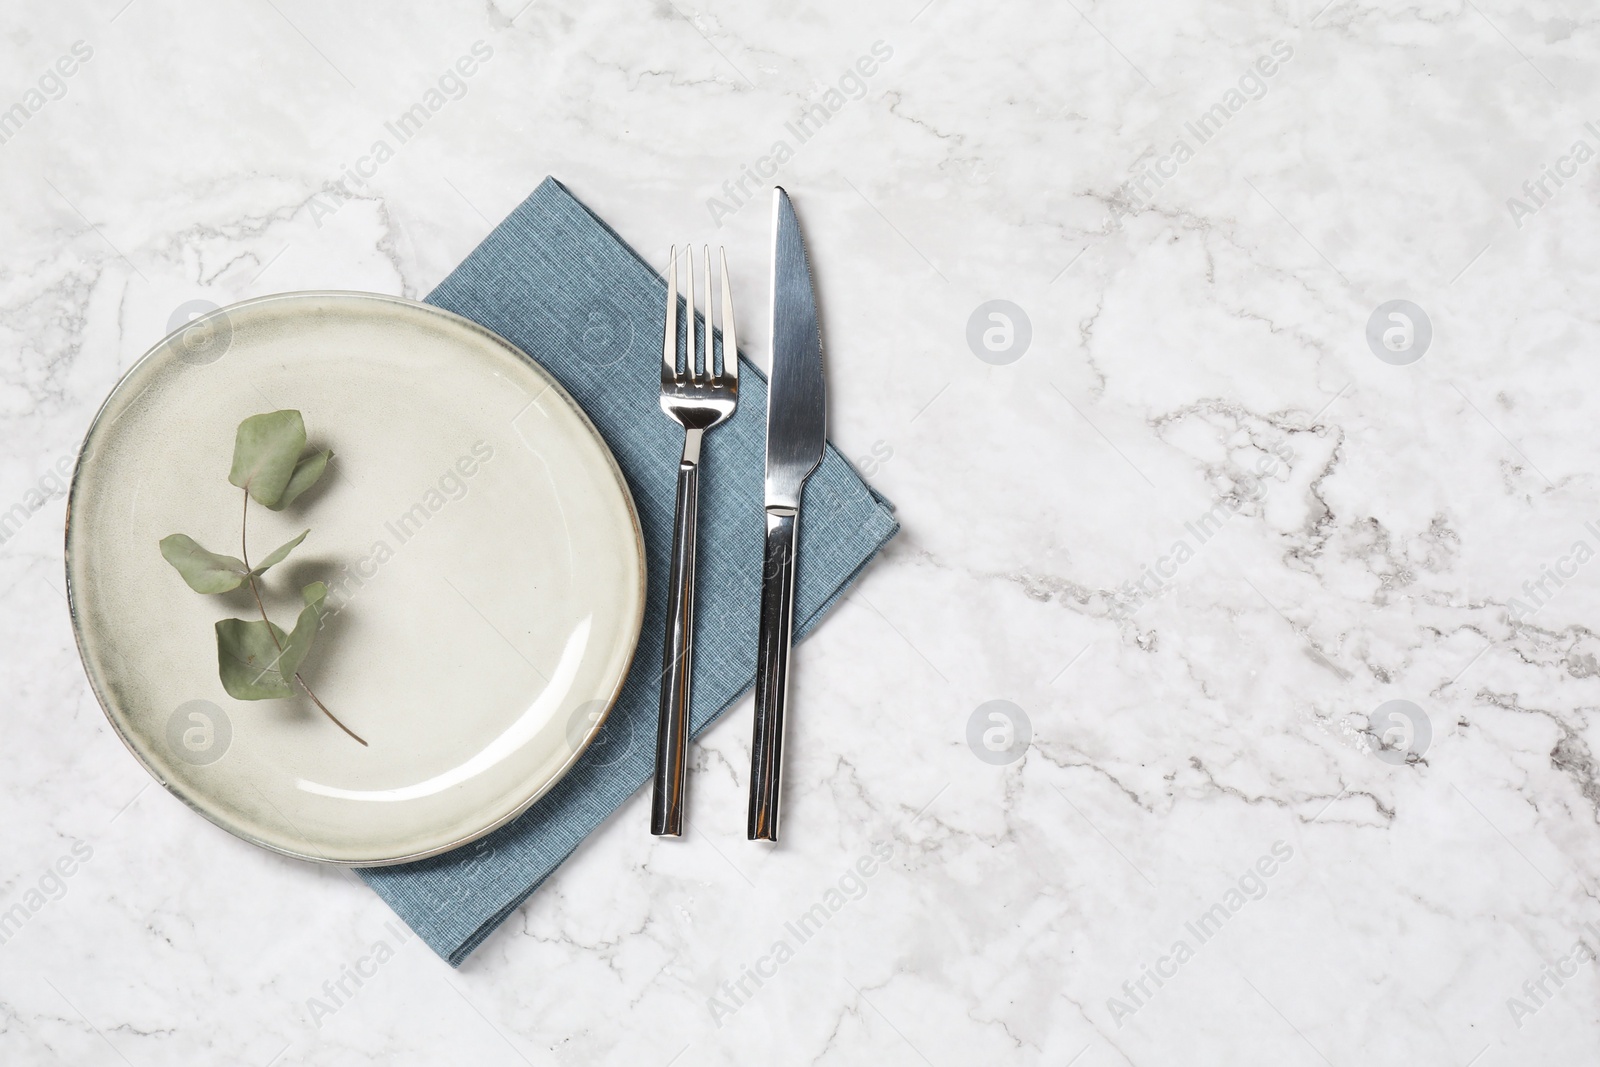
x: 1207, y: 845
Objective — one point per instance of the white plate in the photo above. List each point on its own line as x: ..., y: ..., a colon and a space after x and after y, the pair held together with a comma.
x: 482, y: 549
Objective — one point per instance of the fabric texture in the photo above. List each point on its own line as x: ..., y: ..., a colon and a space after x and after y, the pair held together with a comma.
x: 560, y: 284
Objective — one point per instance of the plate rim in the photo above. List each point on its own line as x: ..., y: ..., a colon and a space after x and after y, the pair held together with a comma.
x: 636, y: 628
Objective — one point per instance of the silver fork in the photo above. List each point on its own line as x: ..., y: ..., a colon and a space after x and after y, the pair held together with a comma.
x: 697, y: 397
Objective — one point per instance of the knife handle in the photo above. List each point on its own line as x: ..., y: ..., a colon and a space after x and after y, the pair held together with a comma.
x: 672, y: 729
x: 772, y: 672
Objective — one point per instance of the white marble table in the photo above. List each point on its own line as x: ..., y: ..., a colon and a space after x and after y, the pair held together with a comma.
x: 1195, y: 528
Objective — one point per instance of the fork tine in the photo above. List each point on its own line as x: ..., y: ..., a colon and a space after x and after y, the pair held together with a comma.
x: 708, y: 368
x: 688, y: 291
x: 669, y: 345
x: 730, y: 343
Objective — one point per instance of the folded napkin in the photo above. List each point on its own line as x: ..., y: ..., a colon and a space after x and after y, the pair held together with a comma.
x: 560, y: 284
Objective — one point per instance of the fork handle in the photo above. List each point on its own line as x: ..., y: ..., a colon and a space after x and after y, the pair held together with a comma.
x: 772, y: 672
x: 672, y: 731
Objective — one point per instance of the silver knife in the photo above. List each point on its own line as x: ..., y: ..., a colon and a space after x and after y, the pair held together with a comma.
x: 796, y: 419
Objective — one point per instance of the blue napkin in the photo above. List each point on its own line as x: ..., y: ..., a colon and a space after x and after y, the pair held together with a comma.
x: 560, y: 284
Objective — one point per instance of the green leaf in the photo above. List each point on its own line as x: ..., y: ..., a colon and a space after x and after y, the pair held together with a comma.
x: 306, y: 473
x: 279, y: 554
x: 305, y: 629
x: 248, y: 660
x: 206, y: 572
x: 265, y: 451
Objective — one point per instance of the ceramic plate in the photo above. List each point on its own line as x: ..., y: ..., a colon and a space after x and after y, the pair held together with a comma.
x: 481, y: 550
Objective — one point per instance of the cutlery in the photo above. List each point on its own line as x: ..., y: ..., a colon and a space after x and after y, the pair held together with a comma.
x: 697, y: 397
x: 796, y: 417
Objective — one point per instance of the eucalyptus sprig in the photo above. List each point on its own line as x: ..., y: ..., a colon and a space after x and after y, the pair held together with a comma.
x: 256, y: 659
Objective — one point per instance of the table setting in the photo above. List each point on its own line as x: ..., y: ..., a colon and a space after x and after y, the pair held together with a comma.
x: 541, y: 534
x: 462, y: 754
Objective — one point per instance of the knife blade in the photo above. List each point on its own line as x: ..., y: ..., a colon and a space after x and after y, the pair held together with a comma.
x: 796, y: 404
x: 796, y: 429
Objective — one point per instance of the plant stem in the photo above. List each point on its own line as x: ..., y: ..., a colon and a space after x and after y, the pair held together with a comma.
x: 325, y: 710
x: 244, y: 552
